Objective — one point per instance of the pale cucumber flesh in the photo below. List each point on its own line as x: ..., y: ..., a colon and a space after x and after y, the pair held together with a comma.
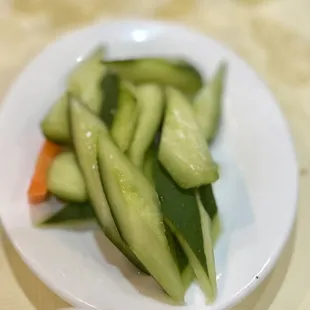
x: 85, y: 130
x: 151, y: 108
x: 206, y: 225
x: 85, y: 83
x: 183, y: 150
x: 136, y: 209
x: 65, y: 179
x: 126, y: 117
x: 55, y: 125
x: 207, y: 104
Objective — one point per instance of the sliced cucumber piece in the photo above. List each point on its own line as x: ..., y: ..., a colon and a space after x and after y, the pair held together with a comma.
x: 183, y: 150
x: 210, y: 205
x: 125, y: 119
x: 187, y: 273
x: 85, y: 82
x: 206, y: 225
x: 136, y: 209
x: 188, y: 276
x: 85, y: 130
x: 207, y: 104
x: 55, y: 125
x: 151, y: 107
x: 65, y: 179
x: 177, y: 73
x: 182, y: 215
x: 71, y: 214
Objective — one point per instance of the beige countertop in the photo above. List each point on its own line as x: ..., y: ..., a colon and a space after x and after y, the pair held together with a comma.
x: 272, y: 35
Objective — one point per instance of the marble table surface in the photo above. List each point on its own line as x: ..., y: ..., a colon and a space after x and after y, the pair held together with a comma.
x: 272, y: 35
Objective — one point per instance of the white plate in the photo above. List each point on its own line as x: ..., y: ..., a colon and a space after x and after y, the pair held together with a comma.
x: 256, y: 193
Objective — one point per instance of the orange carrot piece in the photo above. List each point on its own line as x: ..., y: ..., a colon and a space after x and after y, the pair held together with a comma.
x: 37, y: 191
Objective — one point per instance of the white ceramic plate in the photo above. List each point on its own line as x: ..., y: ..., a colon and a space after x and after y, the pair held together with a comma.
x: 256, y: 193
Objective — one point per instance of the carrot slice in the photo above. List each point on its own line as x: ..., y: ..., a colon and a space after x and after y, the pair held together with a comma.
x: 37, y: 191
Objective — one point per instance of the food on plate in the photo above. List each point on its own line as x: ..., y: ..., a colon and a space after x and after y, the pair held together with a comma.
x: 86, y: 128
x: 183, y: 149
x: 70, y: 214
x: 207, y: 103
x: 174, y: 72
x: 136, y: 208
x: 128, y: 147
x: 182, y: 215
x: 37, y: 191
x: 151, y: 107
x: 85, y: 83
x: 126, y: 116
x: 65, y: 179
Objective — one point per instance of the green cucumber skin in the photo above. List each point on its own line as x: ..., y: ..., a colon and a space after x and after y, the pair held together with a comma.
x: 151, y: 108
x: 173, y: 201
x: 136, y: 209
x: 85, y: 130
x: 182, y: 215
x: 207, y: 104
x: 65, y: 179
x: 183, y: 150
x: 198, y: 269
x: 111, y: 89
x: 71, y: 213
x: 208, y: 200
x: 125, y: 119
x: 176, y: 73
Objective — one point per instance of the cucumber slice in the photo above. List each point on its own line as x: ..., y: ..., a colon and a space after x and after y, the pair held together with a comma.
x: 182, y: 215
x: 206, y: 225
x: 207, y: 104
x: 125, y: 119
x: 136, y: 209
x: 188, y: 276
x: 71, y: 214
x: 187, y: 273
x: 55, y: 125
x: 85, y: 82
x: 65, y: 179
x: 151, y: 107
x: 183, y: 150
x: 209, y: 203
x: 180, y: 257
x: 85, y: 129
x: 177, y: 73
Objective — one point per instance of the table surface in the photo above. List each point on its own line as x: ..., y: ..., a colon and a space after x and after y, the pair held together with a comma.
x: 272, y: 35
